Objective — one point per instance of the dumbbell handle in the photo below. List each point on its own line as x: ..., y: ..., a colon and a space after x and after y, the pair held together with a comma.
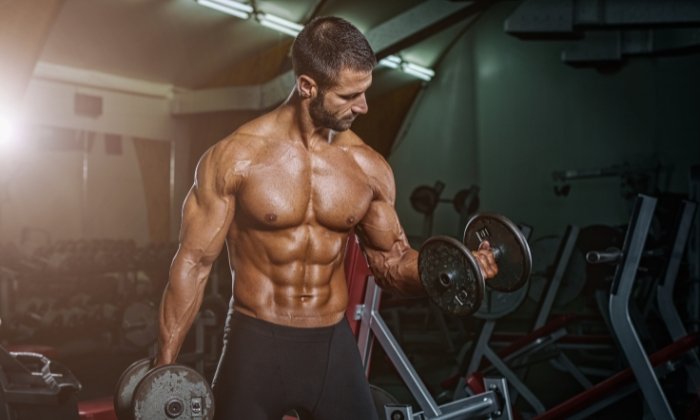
x: 496, y: 250
x: 611, y: 255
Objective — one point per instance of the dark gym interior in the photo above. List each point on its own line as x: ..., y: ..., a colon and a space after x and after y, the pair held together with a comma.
x: 579, y: 121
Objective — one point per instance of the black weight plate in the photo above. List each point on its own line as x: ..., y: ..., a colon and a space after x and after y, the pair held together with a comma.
x: 175, y: 389
x: 514, y: 261
x: 450, y: 276
x: 124, y: 390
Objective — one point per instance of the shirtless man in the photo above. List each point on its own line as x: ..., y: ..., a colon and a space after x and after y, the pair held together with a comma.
x: 283, y: 192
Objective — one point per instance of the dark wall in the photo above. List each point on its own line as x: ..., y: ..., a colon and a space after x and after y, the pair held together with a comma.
x: 505, y: 113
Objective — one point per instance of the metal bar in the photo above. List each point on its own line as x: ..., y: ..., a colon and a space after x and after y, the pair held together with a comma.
x: 563, y: 259
x: 500, y: 386
x: 424, y: 20
x: 403, y: 366
x: 693, y: 306
x: 481, y: 345
x: 664, y: 293
x: 364, y: 335
x: 621, y: 292
x: 513, y: 379
x: 591, y: 409
x: 479, y: 405
x: 574, y: 370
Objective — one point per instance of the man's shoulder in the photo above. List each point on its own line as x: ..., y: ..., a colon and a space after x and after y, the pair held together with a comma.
x: 372, y: 163
x: 353, y: 144
x: 241, y: 143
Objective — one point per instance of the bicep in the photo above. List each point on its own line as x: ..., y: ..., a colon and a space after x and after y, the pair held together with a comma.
x: 390, y: 256
x: 380, y: 229
x: 205, y: 221
x: 207, y: 213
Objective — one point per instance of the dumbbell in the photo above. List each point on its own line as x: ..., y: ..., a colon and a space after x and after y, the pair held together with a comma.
x: 166, y: 392
x: 452, y: 276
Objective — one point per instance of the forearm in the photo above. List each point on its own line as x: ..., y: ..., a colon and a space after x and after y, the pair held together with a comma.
x: 399, y: 273
x: 179, y: 306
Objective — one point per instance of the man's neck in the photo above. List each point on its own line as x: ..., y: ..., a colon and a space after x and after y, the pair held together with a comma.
x: 301, y: 126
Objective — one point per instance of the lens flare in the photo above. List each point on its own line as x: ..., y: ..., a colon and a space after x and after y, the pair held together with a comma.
x: 8, y: 132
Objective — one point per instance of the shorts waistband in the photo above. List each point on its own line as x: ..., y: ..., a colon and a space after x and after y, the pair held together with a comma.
x: 268, y: 328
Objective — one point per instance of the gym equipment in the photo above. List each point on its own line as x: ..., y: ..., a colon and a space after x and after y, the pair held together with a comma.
x: 509, y: 247
x: 573, y: 282
x: 494, y: 402
x: 645, y: 369
x: 497, y: 304
x: 664, y: 293
x: 126, y: 384
x: 369, y: 327
x: 546, y: 338
x: 693, y: 305
x: 635, y: 179
x: 178, y: 391
x: 33, y: 387
x: 451, y: 275
x: 170, y: 391
x: 424, y: 199
x: 140, y: 324
x: 619, y: 309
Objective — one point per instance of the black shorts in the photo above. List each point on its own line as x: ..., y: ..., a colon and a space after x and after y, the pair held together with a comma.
x: 266, y: 370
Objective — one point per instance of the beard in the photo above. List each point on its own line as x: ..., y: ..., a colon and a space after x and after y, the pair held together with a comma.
x: 323, y: 118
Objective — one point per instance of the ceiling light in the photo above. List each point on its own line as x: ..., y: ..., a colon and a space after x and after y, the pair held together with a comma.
x: 396, y: 62
x: 279, y: 24
x: 234, y: 8
x: 245, y: 10
x: 391, y: 61
x: 418, y: 71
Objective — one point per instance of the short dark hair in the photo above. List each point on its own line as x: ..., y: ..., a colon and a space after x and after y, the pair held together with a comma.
x: 328, y: 45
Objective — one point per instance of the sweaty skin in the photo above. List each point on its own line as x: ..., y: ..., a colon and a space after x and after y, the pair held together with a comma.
x: 283, y: 193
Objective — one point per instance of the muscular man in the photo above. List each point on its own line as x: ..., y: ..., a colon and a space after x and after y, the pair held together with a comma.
x: 283, y: 192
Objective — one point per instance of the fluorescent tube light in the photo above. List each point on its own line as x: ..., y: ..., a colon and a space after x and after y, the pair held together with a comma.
x: 279, y: 24
x: 391, y: 61
x: 234, y: 8
x: 418, y: 71
x: 396, y: 62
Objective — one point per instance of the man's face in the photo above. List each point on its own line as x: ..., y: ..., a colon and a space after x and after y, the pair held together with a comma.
x: 337, y: 107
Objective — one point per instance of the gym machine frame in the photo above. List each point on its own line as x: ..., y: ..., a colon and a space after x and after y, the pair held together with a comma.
x: 646, y: 369
x: 542, y: 336
x: 494, y: 402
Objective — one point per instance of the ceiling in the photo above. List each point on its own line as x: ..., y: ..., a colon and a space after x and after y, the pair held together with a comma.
x: 189, y: 46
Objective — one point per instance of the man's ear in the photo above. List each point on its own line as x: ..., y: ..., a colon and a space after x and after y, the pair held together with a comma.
x: 306, y: 86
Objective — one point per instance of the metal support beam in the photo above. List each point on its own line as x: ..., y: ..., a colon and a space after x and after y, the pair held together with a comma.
x: 540, y: 17
x: 609, y: 30
x: 416, y: 24
x: 614, y: 45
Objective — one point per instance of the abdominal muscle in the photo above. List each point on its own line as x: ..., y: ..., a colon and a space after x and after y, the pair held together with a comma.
x: 294, y: 278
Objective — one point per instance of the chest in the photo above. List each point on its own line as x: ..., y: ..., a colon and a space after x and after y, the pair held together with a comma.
x: 298, y: 186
